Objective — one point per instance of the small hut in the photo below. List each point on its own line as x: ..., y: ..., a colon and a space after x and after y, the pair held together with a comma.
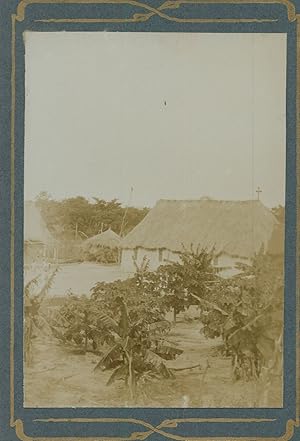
x: 39, y: 243
x: 102, y: 248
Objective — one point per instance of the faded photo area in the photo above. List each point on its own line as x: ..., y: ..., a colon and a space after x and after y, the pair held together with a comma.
x: 154, y: 219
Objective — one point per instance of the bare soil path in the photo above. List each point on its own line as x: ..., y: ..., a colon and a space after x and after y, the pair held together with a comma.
x: 62, y: 378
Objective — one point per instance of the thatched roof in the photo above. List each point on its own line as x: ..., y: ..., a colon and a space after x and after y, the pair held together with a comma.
x: 237, y: 228
x: 108, y: 239
x: 276, y: 242
x: 35, y: 228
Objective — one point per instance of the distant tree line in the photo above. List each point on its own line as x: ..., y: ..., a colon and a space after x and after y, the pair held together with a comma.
x: 78, y: 217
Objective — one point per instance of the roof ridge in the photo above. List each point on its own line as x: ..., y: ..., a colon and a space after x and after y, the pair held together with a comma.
x: 238, y: 201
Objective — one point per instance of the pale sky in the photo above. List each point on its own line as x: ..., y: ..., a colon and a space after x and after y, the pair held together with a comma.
x: 173, y: 115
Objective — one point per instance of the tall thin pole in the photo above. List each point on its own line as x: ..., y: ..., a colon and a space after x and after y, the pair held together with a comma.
x: 126, y: 210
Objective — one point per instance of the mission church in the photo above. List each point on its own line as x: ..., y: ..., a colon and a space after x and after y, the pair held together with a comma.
x: 233, y: 230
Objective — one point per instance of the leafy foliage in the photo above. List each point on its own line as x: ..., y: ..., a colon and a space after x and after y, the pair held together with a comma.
x: 34, y: 294
x: 177, y: 285
x: 240, y: 310
x: 255, y: 338
x: 140, y: 304
x: 129, y: 336
x: 135, y: 352
x: 80, y: 216
x: 124, y: 321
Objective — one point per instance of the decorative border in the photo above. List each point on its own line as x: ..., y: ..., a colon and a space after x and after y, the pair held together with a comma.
x: 18, y: 424
x: 168, y: 4
x: 141, y: 436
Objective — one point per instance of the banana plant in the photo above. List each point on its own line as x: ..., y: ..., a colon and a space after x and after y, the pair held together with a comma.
x: 136, y: 353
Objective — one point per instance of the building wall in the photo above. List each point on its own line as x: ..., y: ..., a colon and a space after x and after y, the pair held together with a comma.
x: 170, y: 256
x: 226, y: 265
x: 35, y: 252
x: 224, y: 262
x: 69, y: 250
x: 138, y: 254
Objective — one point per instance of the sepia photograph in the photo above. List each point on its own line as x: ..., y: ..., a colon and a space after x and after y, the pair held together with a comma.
x: 154, y: 219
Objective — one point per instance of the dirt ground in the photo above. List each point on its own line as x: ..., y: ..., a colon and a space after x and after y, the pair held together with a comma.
x: 60, y: 378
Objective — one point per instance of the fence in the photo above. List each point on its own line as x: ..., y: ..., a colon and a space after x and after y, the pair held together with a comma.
x: 69, y: 251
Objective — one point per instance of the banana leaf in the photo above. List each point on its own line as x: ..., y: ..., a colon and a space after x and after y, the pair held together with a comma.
x: 108, y: 322
x: 112, y: 358
x: 158, y: 363
x: 167, y: 351
x: 118, y: 374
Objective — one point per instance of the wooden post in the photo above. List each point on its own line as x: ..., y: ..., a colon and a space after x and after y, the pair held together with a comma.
x: 174, y: 314
x: 86, y: 331
x: 125, y: 212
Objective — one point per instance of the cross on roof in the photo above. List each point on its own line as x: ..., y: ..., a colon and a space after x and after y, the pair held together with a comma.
x: 258, y: 191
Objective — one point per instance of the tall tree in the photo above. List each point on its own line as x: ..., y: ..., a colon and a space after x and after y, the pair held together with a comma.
x: 79, y: 217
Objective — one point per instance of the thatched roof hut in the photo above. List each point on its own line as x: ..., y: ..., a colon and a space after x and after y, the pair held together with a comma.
x: 276, y: 242
x: 108, y: 239
x: 103, y: 248
x: 234, y: 228
x: 38, y: 241
x: 35, y: 228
